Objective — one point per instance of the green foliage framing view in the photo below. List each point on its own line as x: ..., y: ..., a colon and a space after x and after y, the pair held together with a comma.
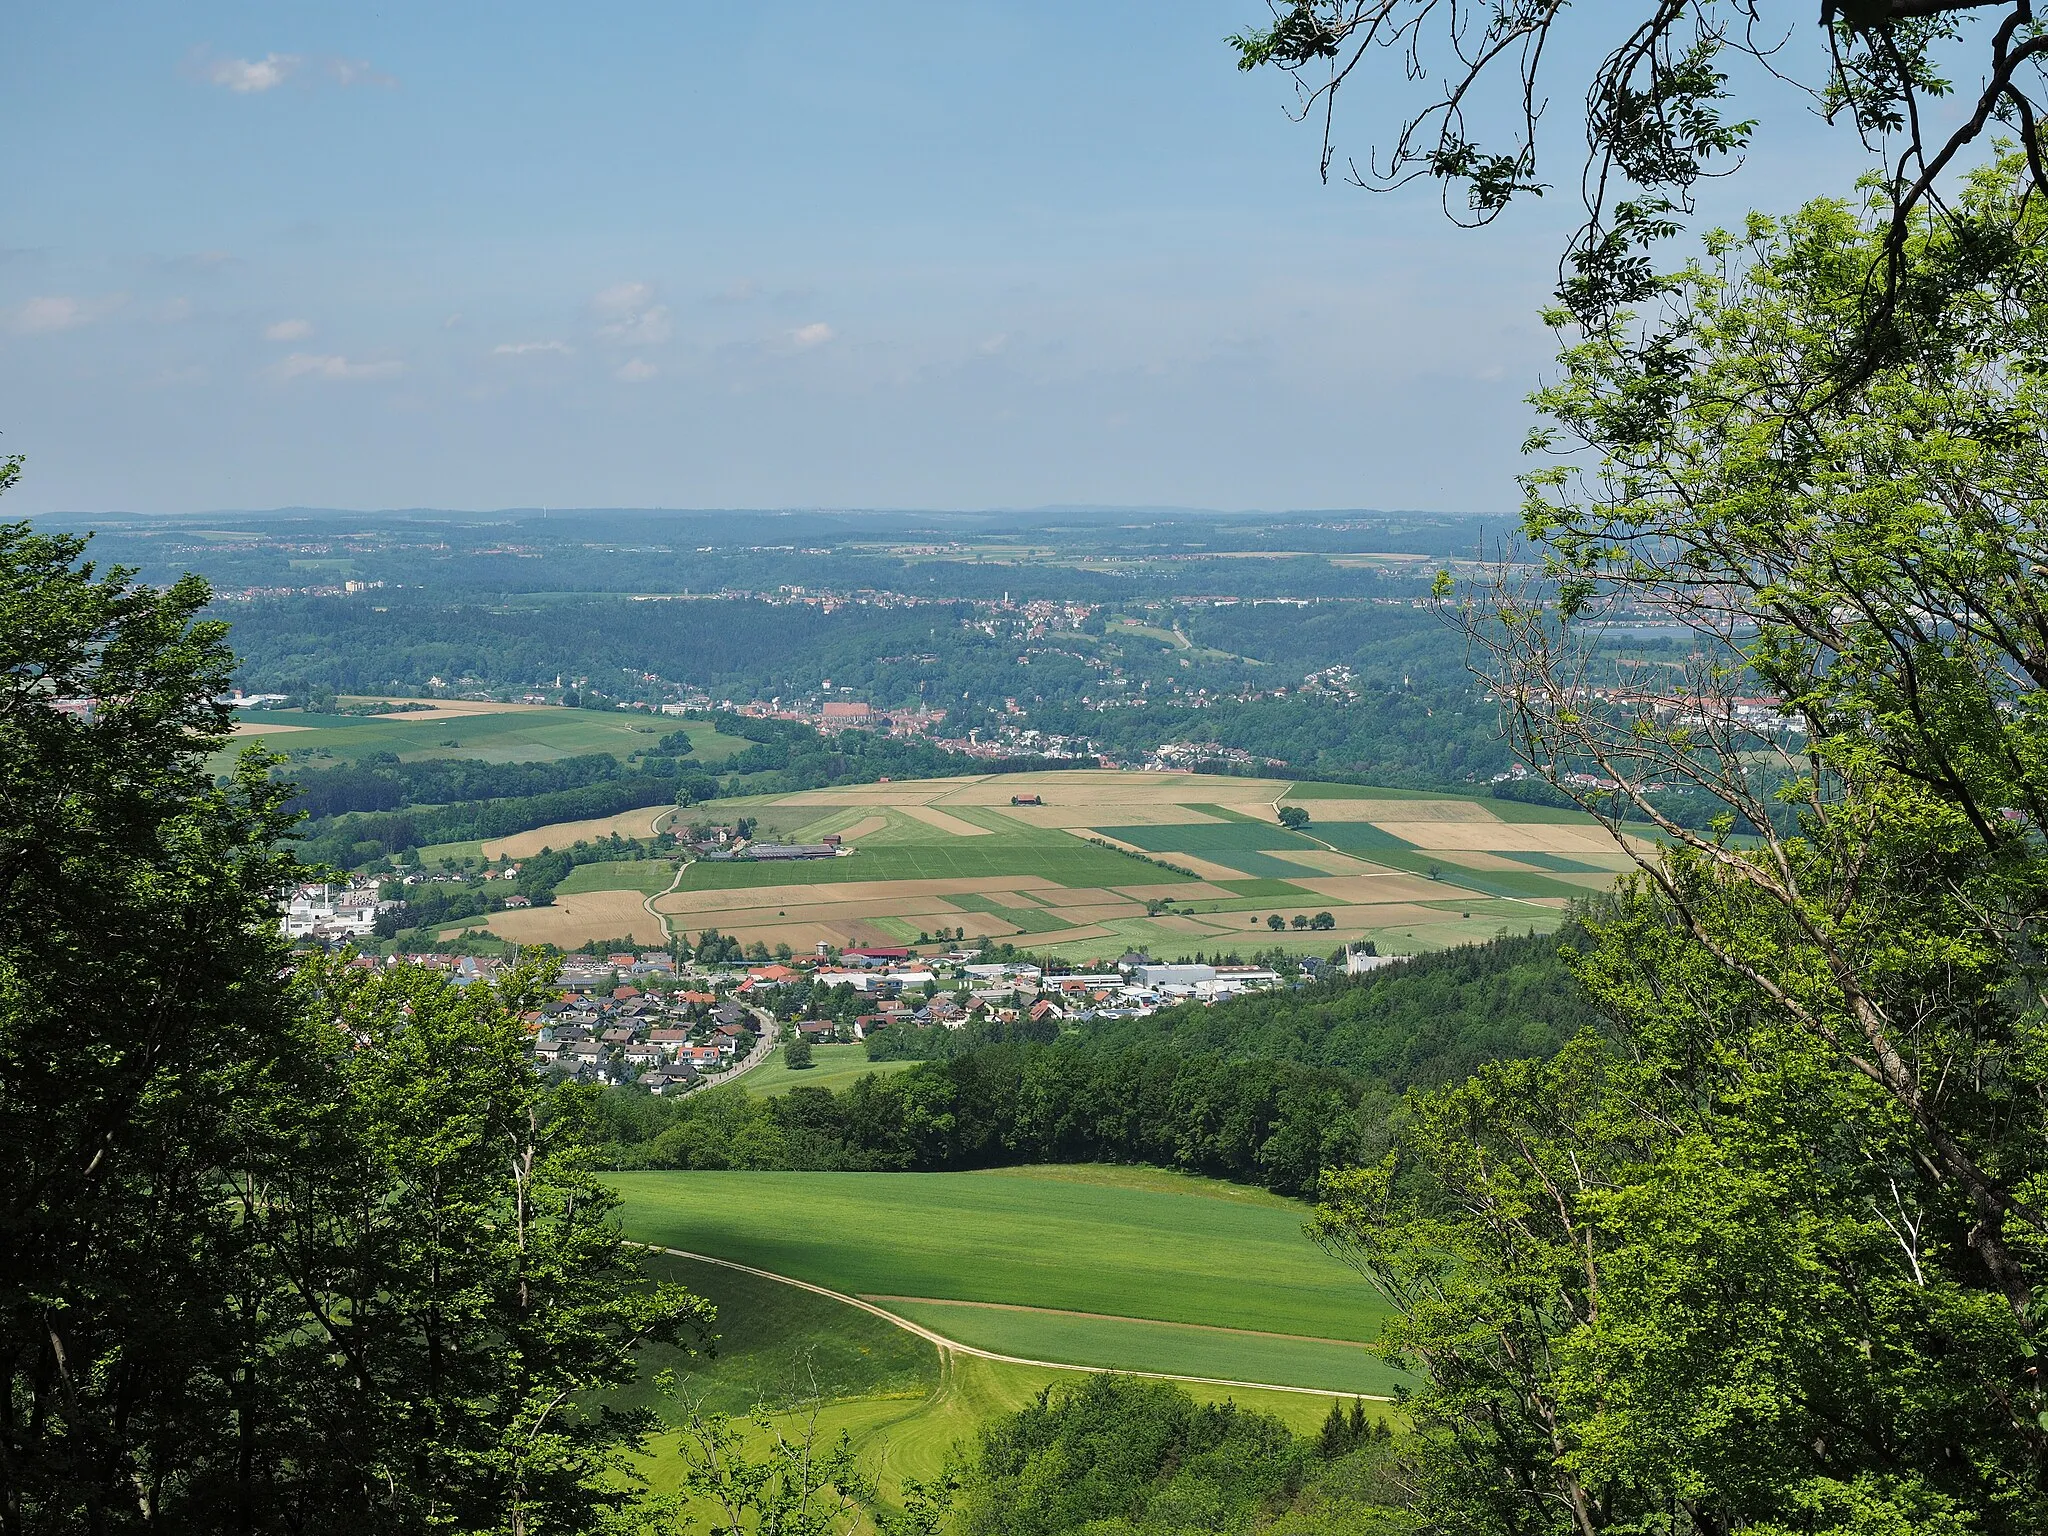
x: 1769, y: 1257
x: 288, y: 1246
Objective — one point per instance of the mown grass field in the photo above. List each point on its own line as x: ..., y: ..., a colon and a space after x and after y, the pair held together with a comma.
x: 1116, y: 1244
x: 644, y: 875
x: 518, y: 734
x: 834, y: 1066
x: 1124, y: 1344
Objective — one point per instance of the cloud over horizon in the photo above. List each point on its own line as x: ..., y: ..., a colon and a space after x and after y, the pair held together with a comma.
x: 253, y: 77
x: 61, y: 312
x: 628, y: 314
x: 314, y: 365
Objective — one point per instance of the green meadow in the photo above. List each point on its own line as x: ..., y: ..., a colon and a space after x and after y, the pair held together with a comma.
x: 833, y: 1066
x: 1123, y: 1344
x: 906, y: 1405
x: 1127, y: 1248
x: 644, y: 875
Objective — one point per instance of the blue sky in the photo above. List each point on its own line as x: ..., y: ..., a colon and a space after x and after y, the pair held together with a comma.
x: 906, y: 254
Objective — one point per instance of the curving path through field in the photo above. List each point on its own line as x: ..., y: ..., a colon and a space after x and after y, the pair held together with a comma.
x: 957, y: 1347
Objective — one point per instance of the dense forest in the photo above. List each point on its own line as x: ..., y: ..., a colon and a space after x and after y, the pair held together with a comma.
x: 1112, y: 1453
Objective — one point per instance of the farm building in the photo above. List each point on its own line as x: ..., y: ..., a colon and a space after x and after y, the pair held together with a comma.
x: 1027, y: 799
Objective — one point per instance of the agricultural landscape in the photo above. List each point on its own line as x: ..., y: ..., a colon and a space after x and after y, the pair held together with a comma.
x: 1108, y: 861
x: 818, y: 877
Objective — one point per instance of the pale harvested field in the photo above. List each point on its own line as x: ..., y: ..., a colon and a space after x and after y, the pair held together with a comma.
x: 943, y: 822
x: 1193, y: 925
x: 832, y: 911
x: 806, y: 936
x: 1197, y: 891
x: 890, y: 893
x: 579, y: 918
x: 1614, y: 859
x: 1323, y: 859
x: 1499, y: 837
x: 864, y: 827
x: 1081, y: 935
x: 1099, y: 913
x: 1372, y: 889
x: 1465, y: 858
x: 1060, y: 896
x: 1100, y: 813
x: 251, y: 728
x: 1384, y: 811
x: 564, y: 834
x: 1392, y: 914
x: 450, y: 709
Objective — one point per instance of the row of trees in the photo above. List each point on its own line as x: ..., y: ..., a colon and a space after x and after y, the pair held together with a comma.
x: 1264, y: 1122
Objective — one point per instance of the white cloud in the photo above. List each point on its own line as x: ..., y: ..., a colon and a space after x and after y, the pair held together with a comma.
x: 629, y: 316
x: 994, y: 344
x: 636, y: 371
x: 528, y: 348
x: 314, y: 365
x: 173, y: 311
x: 61, y: 312
x: 288, y: 330
x: 249, y: 76
x: 348, y: 72
x: 816, y: 334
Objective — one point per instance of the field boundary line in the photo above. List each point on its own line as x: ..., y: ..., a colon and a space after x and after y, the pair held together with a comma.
x: 1109, y: 1317
x: 944, y: 1343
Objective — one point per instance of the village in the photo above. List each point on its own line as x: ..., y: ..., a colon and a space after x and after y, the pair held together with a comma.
x: 642, y: 1019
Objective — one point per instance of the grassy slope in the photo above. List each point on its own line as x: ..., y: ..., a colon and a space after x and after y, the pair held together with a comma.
x: 904, y: 1404
x: 1122, y: 1344
x: 836, y: 1067
x: 776, y: 1344
x: 1186, y: 1251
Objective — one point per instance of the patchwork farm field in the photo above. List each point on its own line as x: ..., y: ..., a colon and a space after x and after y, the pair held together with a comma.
x: 1110, y: 1267
x: 1167, y: 863
x: 1105, y: 861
